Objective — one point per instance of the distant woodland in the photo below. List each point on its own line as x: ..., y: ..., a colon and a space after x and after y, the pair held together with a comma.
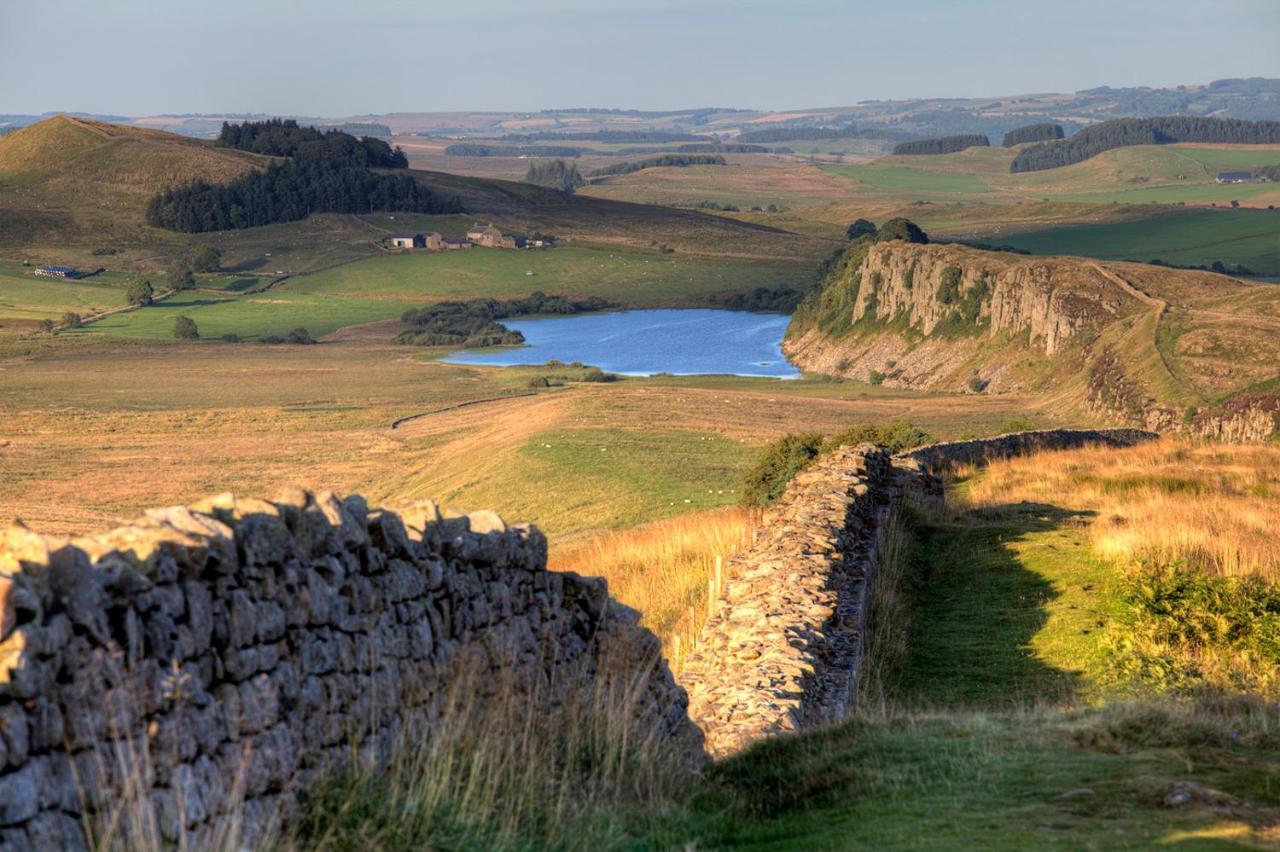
x: 943, y: 145
x: 324, y: 173
x: 1093, y: 140
x: 1032, y: 133
x: 665, y: 161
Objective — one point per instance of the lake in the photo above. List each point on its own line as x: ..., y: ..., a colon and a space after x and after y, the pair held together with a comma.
x: 641, y: 343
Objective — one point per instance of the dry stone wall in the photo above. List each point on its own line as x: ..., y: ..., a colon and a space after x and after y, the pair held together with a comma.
x: 781, y: 651
x: 221, y: 657
x: 783, y: 648
x: 978, y: 452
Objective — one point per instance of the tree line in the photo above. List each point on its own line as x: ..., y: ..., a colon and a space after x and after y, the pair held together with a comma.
x: 1122, y: 132
x: 1032, y: 133
x: 666, y: 160
x: 943, y: 144
x: 474, y: 323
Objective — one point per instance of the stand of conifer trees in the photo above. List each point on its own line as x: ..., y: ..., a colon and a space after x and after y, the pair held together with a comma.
x: 1093, y: 140
x: 943, y: 145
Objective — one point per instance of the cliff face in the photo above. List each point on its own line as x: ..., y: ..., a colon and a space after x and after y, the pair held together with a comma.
x: 1126, y: 343
x: 936, y: 316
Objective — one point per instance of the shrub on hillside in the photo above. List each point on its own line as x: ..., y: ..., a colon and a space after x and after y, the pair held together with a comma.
x: 71, y: 319
x: 778, y: 463
x: 206, y: 259
x: 184, y: 328
x: 895, y: 437
x: 138, y: 292
x: 1184, y: 629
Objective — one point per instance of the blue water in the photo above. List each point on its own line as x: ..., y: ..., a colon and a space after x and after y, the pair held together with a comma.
x: 640, y: 343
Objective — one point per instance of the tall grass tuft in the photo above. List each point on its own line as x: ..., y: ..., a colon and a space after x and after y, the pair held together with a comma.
x: 508, y: 765
x: 1207, y: 507
x: 663, y: 569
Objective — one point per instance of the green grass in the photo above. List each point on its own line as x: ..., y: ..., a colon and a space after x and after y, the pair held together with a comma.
x: 912, y: 180
x: 26, y: 296
x: 631, y: 277
x: 1188, y: 237
x: 250, y: 317
x: 1028, y: 577
x: 383, y: 287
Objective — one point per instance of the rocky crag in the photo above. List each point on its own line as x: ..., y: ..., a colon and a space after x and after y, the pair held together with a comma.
x: 1146, y: 346
x: 219, y: 659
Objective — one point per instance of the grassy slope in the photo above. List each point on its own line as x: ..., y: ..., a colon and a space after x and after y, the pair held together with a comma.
x: 1005, y: 609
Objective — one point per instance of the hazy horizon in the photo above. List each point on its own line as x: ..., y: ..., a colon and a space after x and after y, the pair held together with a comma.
x: 285, y: 57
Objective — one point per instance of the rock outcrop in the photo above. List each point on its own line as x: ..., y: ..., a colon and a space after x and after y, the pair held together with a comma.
x: 1127, y: 343
x: 223, y: 657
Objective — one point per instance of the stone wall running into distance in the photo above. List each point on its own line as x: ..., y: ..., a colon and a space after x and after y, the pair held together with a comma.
x: 936, y: 457
x: 782, y: 650
x: 221, y: 657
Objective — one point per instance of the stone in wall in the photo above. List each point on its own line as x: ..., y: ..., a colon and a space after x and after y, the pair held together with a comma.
x: 219, y: 659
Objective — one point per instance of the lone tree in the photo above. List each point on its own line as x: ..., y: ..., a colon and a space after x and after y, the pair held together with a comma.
x: 71, y: 319
x: 179, y: 275
x: 207, y: 259
x: 860, y: 228
x: 184, y: 328
x: 139, y: 292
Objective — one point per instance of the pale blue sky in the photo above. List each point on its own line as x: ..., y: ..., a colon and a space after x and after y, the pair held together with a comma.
x: 325, y: 57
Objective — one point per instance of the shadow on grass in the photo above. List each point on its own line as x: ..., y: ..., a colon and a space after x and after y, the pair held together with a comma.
x: 975, y: 607
x: 246, y: 266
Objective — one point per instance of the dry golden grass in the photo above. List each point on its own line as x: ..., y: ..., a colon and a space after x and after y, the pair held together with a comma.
x: 1213, y: 507
x: 665, y: 569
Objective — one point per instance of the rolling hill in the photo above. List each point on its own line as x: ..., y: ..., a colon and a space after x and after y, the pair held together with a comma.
x: 69, y: 185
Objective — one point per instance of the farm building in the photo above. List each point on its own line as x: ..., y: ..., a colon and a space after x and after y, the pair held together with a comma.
x: 1236, y: 177
x: 490, y: 237
x: 408, y: 240
x: 451, y: 243
x: 57, y: 272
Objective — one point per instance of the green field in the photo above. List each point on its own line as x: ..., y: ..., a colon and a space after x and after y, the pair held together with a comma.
x: 1186, y: 237
x: 908, y: 179
x: 383, y: 287
x: 26, y: 296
